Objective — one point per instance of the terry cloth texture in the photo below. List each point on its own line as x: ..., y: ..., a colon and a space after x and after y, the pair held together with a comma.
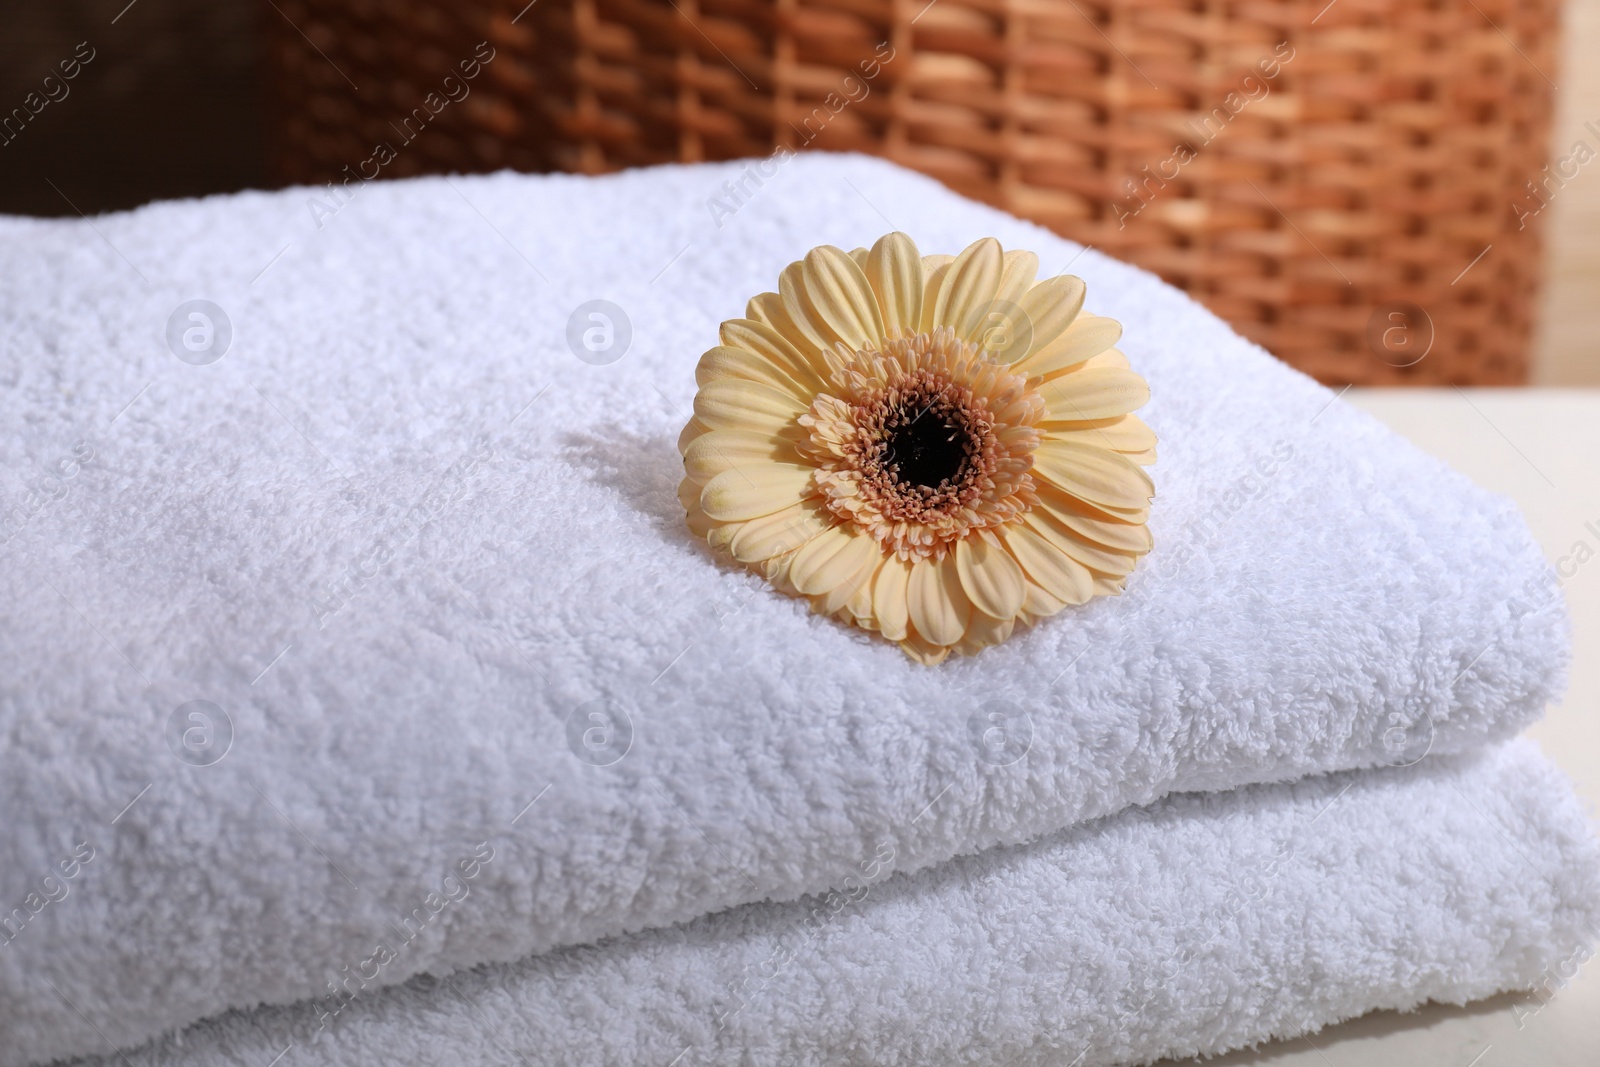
x: 1199, y: 924
x: 426, y: 571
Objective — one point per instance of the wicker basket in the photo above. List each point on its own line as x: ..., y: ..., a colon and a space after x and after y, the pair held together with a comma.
x: 1350, y: 187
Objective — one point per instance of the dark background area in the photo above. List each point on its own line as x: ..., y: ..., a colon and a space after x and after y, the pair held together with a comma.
x: 169, y: 106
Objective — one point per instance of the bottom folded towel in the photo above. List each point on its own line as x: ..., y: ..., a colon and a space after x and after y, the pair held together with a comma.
x: 1200, y: 924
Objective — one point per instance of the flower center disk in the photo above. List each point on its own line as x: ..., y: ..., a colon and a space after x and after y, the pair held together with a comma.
x: 923, y: 442
x: 926, y: 450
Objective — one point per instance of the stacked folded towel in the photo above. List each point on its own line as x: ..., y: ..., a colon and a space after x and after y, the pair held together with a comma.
x: 367, y: 701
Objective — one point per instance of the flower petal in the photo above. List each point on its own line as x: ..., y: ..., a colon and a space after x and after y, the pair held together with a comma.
x: 1102, y: 393
x: 1104, y: 586
x: 935, y: 270
x: 1097, y: 475
x: 852, y: 586
x: 1088, y: 336
x: 1062, y: 577
x: 985, y: 631
x: 782, y: 531
x: 1059, y: 497
x: 722, y: 534
x: 830, y: 299
x: 725, y: 361
x: 764, y: 339
x: 1002, y: 328
x: 712, y: 453
x: 770, y: 310
x: 889, y: 598
x: 1143, y: 459
x: 1097, y: 559
x: 1052, y: 305
x: 1078, y: 517
x: 970, y: 288
x: 700, y: 523
x: 806, y: 332
x: 924, y: 651
x: 990, y: 577
x: 751, y: 492
x: 1019, y: 268
x: 1124, y: 433
x: 859, y: 603
x: 736, y: 404
x: 894, y: 270
x: 691, y: 431
x: 830, y: 560
x: 938, y: 607
x: 1111, y: 357
x: 1039, y: 604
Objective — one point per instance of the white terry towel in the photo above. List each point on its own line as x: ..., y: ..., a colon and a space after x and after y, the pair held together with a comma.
x: 400, y: 540
x: 1200, y: 924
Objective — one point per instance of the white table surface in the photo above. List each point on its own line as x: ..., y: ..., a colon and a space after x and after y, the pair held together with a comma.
x: 1541, y: 447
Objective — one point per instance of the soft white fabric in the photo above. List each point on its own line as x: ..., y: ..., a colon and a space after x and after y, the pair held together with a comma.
x: 1200, y: 924
x: 400, y: 689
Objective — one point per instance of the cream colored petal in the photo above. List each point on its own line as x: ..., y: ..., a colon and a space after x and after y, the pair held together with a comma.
x: 751, y: 492
x: 939, y: 608
x: 1052, y: 305
x: 1039, y: 604
x: 1122, y: 433
x: 829, y: 299
x: 889, y: 598
x: 985, y: 632
x: 725, y: 361
x: 807, y: 333
x: 1019, y: 268
x: 812, y: 556
x: 830, y: 559
x: 1047, y: 490
x: 935, y: 269
x: 1087, y: 337
x: 712, y: 453
x: 970, y: 288
x: 856, y: 585
x: 1097, y: 559
x: 700, y: 523
x: 859, y: 603
x: 1097, y: 475
x: 722, y: 535
x: 924, y: 651
x: 775, y: 570
x: 764, y: 340
x: 1003, y: 329
x: 769, y: 310
x: 736, y: 404
x: 1108, y: 586
x: 781, y: 532
x: 690, y: 432
x: 1143, y: 459
x: 1086, y: 523
x: 1111, y: 357
x: 1093, y: 394
x: 894, y: 270
x: 990, y: 577
x: 860, y: 256
x: 1062, y: 577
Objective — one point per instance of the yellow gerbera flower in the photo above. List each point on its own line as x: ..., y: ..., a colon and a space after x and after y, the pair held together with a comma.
x: 934, y: 449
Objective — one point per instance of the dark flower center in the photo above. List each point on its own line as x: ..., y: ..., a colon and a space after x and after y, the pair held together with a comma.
x: 926, y: 448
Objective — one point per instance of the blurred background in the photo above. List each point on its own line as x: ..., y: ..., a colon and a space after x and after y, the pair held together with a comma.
x: 1399, y: 138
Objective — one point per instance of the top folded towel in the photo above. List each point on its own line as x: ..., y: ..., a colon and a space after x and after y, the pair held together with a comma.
x: 385, y: 623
